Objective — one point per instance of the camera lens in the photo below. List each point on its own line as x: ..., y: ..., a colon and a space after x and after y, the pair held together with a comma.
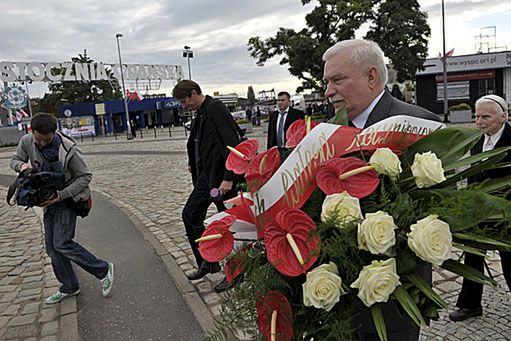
x: 46, y: 193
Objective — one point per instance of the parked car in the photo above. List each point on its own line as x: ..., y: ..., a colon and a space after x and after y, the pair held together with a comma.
x: 239, y: 114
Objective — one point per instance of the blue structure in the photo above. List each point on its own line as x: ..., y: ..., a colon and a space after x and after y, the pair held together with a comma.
x: 149, y: 112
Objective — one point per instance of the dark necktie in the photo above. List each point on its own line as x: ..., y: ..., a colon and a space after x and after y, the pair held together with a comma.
x: 280, y: 130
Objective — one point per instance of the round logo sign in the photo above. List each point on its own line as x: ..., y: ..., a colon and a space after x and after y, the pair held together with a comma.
x: 68, y: 113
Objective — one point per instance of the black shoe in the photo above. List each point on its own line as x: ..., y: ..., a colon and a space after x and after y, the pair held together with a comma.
x: 461, y: 314
x: 204, y: 269
x: 223, y: 285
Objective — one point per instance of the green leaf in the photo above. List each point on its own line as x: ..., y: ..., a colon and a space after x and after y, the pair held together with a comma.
x: 426, y: 289
x: 467, y: 272
x: 470, y: 249
x: 379, y: 321
x: 495, y: 185
x: 478, y: 238
x: 476, y: 158
x: 471, y: 171
x: 340, y: 118
x: 407, y: 303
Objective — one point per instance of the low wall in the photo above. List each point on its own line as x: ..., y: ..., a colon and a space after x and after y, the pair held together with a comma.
x: 10, y: 136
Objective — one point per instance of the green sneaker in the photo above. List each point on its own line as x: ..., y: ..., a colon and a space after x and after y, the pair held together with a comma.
x: 106, y: 283
x: 59, y: 296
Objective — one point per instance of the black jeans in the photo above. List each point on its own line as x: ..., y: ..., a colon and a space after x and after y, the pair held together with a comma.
x: 194, y: 213
x: 59, y: 231
x: 471, y: 293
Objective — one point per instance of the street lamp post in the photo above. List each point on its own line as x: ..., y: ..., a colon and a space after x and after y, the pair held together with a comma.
x: 117, y: 36
x: 188, y: 53
x: 444, y: 65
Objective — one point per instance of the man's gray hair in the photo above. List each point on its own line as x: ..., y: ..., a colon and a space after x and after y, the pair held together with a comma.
x: 498, y: 102
x: 364, y: 54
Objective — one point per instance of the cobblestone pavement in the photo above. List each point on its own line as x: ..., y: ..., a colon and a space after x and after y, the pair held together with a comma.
x: 148, y: 179
x: 26, y: 277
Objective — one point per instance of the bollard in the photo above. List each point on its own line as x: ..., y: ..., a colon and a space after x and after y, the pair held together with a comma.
x: 92, y: 134
x: 154, y: 131
x: 81, y: 137
x: 141, y: 134
x: 170, y: 132
x: 186, y: 132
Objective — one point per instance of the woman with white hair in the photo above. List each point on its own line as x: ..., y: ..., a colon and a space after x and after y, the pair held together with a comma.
x: 491, y: 118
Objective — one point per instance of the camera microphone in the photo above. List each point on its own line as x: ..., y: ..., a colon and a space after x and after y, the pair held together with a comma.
x: 215, y: 194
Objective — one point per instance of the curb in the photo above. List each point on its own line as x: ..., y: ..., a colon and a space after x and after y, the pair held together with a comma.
x: 193, y: 300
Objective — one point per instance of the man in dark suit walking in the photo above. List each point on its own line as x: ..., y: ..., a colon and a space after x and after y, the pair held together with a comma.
x: 491, y: 118
x: 212, y: 131
x: 355, y: 74
x: 280, y: 120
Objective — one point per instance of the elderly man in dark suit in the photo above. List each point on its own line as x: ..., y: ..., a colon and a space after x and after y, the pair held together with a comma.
x: 491, y: 118
x: 212, y: 131
x: 280, y: 120
x: 355, y: 74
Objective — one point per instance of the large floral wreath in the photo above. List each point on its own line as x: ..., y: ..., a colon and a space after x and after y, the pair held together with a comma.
x: 348, y: 219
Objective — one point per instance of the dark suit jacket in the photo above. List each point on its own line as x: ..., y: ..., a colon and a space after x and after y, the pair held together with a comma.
x: 215, y: 129
x: 292, y: 115
x: 399, y: 325
x: 389, y: 106
x: 505, y: 140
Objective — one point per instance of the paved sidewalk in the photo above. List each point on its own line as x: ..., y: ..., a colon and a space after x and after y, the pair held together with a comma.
x: 26, y: 277
x: 148, y: 179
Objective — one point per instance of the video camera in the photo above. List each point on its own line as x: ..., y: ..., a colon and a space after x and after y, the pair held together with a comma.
x: 34, y: 187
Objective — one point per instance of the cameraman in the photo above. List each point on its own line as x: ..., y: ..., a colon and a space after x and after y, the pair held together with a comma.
x: 48, y: 150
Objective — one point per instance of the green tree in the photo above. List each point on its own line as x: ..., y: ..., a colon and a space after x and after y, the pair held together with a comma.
x: 79, y: 91
x: 402, y: 30
x: 331, y: 21
x: 251, y: 96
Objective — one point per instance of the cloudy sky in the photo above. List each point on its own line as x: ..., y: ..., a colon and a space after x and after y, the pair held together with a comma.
x: 154, y: 32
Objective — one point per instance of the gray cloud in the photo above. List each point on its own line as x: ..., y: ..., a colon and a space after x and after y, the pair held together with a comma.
x: 154, y: 32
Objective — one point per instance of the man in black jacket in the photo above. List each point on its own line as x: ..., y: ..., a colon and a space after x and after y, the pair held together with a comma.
x: 212, y: 131
x: 280, y: 120
x: 491, y: 118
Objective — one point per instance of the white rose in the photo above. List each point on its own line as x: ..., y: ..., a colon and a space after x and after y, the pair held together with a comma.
x: 377, y: 281
x: 431, y: 240
x: 376, y: 233
x: 427, y: 169
x: 323, y: 287
x: 386, y: 162
x: 342, y: 205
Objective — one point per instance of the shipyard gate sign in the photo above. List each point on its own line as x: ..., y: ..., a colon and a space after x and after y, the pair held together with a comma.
x: 57, y: 72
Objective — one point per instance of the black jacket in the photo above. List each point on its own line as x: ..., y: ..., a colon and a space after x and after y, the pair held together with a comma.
x: 292, y: 115
x: 505, y: 140
x: 388, y: 106
x: 215, y: 129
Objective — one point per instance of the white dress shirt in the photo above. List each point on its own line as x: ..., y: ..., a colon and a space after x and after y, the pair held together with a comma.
x: 283, y: 122
x: 491, y: 140
x: 360, y: 120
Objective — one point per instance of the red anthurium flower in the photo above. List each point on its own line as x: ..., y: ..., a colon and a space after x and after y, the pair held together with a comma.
x: 261, y: 168
x: 239, y: 157
x: 348, y: 174
x: 275, y: 316
x: 289, y: 245
x: 217, y: 241
x: 297, y: 131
